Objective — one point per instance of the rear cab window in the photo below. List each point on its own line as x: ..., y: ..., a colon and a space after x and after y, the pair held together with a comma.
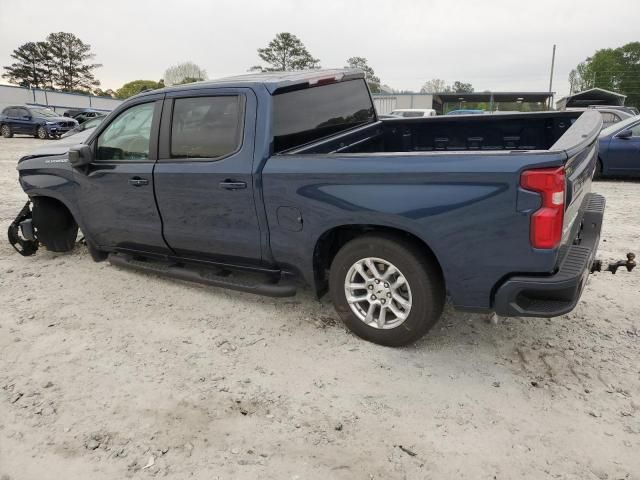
x: 308, y: 114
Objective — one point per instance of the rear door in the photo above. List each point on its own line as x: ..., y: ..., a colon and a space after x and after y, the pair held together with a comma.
x: 624, y: 153
x: 22, y: 121
x: 203, y: 178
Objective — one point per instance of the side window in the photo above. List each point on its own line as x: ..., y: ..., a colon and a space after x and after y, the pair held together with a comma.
x: 607, y: 117
x: 635, y: 130
x: 206, y: 127
x: 127, y: 137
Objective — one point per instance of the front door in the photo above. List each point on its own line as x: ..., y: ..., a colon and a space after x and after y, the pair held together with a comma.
x: 203, y: 178
x: 115, y: 194
x: 624, y: 153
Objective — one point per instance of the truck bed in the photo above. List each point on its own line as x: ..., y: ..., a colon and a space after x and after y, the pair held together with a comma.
x: 452, y: 182
x: 523, y: 131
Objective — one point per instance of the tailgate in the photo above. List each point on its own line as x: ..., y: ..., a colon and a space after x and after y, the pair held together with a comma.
x: 580, y: 144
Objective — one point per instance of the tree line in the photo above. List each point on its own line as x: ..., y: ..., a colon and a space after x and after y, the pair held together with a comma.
x: 64, y: 62
x: 615, y: 69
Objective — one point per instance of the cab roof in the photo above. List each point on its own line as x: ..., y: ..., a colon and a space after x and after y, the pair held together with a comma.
x: 275, y: 81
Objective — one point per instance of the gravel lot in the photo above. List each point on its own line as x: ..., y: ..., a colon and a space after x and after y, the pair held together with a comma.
x: 107, y: 373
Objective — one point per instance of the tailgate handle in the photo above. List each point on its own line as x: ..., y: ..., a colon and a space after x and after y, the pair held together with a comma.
x: 233, y: 185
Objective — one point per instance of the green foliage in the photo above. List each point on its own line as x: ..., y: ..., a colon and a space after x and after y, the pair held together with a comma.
x: 285, y: 53
x: 135, y: 87
x: 460, y: 87
x: 369, y: 74
x: 615, y: 69
x: 104, y: 93
x: 60, y: 62
x: 186, y: 72
x: 437, y: 85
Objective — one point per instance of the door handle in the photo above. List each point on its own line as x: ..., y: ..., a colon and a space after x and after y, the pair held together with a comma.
x: 138, y: 181
x: 233, y: 185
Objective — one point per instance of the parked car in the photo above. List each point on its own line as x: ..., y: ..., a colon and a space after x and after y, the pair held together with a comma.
x: 83, y: 117
x: 291, y: 176
x: 40, y: 122
x: 619, y: 149
x: 88, y: 125
x: 463, y: 111
x: 623, y: 108
x: 610, y: 116
x: 414, y: 112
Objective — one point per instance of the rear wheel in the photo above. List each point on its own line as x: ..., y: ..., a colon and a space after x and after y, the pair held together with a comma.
x: 41, y: 133
x: 386, y: 290
x: 6, y: 131
x: 55, y: 227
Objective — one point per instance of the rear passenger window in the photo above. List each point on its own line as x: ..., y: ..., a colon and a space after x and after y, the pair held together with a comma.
x: 206, y: 127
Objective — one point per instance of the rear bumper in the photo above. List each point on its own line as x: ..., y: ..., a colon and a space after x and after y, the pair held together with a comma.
x: 551, y: 296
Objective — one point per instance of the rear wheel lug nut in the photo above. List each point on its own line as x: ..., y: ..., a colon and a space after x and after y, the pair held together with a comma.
x: 388, y: 295
x: 370, y: 287
x: 373, y: 297
x: 377, y: 281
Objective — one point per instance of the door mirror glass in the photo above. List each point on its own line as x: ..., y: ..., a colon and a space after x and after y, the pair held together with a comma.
x: 80, y: 155
x: 625, y: 134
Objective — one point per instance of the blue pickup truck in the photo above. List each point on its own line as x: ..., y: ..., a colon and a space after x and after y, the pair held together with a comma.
x: 265, y: 181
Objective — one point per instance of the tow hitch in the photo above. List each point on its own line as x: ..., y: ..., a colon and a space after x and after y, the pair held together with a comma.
x: 629, y: 264
x: 21, y: 233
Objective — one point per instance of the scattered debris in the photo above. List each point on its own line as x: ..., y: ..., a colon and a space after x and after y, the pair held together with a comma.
x: 150, y: 463
x: 407, y: 451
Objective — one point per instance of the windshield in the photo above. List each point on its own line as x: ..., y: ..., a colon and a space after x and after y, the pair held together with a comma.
x: 43, y: 112
x: 616, y: 127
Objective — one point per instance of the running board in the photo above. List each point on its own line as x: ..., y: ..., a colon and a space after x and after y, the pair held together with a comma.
x: 283, y: 288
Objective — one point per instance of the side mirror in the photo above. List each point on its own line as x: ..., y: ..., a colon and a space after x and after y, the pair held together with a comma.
x: 80, y: 155
x: 625, y: 134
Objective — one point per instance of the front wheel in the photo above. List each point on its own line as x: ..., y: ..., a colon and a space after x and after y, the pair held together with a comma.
x: 42, y: 134
x: 6, y: 131
x: 386, y: 290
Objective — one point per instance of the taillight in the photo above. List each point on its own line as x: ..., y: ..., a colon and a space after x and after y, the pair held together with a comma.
x: 546, y: 222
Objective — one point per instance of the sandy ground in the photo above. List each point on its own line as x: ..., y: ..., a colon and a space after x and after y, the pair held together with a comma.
x: 107, y: 374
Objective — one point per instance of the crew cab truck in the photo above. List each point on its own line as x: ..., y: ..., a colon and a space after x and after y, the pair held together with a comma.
x: 291, y: 177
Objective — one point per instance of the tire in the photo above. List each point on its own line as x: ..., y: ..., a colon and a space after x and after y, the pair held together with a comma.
x: 424, y: 290
x: 597, y: 175
x: 55, y: 227
x: 6, y: 131
x: 41, y: 133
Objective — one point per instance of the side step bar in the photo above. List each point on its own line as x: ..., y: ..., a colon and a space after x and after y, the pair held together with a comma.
x: 283, y: 288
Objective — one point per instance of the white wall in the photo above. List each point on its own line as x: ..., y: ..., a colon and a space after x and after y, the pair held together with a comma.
x: 385, y: 103
x: 58, y: 101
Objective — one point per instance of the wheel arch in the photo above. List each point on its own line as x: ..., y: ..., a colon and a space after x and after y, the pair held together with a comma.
x: 61, y: 201
x: 329, y: 243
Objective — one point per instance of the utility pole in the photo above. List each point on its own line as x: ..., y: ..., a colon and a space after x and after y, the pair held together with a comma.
x: 553, y: 61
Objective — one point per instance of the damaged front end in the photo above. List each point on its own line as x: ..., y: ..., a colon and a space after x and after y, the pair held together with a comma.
x: 22, y: 235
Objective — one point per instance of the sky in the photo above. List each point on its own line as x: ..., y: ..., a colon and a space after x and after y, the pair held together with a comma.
x: 497, y: 45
